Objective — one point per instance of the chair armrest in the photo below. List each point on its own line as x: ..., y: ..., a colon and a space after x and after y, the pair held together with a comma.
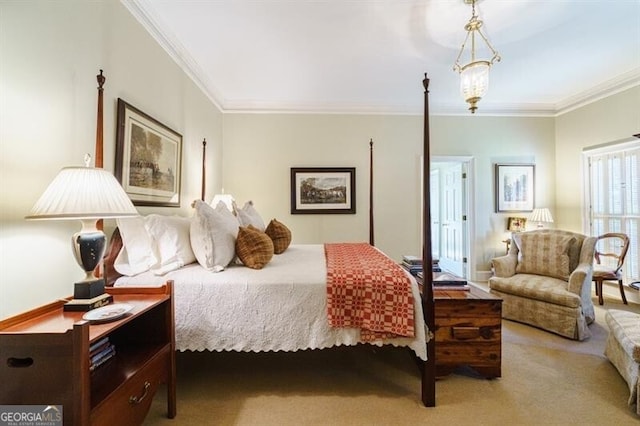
x: 579, y: 278
x: 505, y: 266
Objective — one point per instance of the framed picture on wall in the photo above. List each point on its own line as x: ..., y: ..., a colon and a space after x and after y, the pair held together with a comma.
x: 323, y: 190
x: 148, y: 158
x: 514, y: 187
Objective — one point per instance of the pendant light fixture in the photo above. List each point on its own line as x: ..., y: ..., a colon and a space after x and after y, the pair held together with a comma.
x: 474, y: 75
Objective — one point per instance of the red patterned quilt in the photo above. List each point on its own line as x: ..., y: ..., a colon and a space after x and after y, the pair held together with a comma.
x: 368, y: 290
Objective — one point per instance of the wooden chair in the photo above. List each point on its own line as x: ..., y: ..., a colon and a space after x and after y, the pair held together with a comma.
x: 619, y: 244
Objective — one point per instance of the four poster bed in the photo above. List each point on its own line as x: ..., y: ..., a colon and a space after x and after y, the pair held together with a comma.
x: 302, y: 298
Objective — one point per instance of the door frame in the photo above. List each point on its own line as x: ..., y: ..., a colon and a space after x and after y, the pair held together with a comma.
x: 468, y: 207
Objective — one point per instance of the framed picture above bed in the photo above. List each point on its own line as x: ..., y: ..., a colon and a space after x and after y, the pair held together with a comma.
x: 514, y: 187
x: 148, y: 158
x: 323, y: 190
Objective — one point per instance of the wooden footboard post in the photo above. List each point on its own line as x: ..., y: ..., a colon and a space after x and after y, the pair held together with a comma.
x: 371, y: 239
x: 204, y: 169
x: 428, y: 304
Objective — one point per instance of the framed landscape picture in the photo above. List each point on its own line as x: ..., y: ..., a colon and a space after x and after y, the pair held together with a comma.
x: 514, y: 187
x: 323, y: 190
x: 148, y: 158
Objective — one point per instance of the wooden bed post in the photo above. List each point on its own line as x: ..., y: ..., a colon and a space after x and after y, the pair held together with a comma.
x: 204, y: 153
x: 99, y: 162
x: 371, y: 239
x: 428, y: 304
x: 99, y: 156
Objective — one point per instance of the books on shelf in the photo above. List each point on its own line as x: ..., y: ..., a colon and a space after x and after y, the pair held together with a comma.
x: 413, y: 264
x: 412, y: 260
x: 100, y: 352
x: 451, y: 287
x: 454, y: 282
x: 85, y: 305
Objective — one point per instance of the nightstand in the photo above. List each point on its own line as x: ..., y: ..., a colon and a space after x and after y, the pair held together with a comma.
x: 44, y: 359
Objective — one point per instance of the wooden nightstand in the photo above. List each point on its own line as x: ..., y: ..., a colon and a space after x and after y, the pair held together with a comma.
x: 44, y: 359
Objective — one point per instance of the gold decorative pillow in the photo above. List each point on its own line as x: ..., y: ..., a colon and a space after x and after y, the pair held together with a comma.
x: 280, y: 235
x: 253, y: 247
x: 544, y: 254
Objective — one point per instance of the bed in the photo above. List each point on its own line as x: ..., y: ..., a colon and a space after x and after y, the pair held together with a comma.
x: 283, y: 306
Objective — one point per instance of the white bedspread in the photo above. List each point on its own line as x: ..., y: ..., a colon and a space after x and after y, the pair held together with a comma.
x: 282, y: 307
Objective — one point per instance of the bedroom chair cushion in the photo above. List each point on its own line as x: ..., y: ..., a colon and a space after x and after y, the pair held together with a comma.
x: 544, y: 254
x: 623, y: 349
x: 248, y: 215
x: 280, y: 235
x: 213, y: 235
x: 253, y: 247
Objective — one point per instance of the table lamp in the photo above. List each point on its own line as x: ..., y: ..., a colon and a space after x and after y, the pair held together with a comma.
x: 541, y: 216
x: 87, y: 194
x: 227, y: 199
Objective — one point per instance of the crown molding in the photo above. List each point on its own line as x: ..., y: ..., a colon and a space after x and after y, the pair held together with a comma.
x: 610, y: 87
x: 143, y: 13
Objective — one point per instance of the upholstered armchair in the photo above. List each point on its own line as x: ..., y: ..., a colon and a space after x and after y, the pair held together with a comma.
x: 545, y: 281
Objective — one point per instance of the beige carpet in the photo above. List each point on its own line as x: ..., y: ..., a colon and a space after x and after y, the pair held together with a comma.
x: 546, y: 379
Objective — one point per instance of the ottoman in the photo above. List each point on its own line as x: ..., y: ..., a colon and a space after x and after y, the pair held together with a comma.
x: 623, y: 349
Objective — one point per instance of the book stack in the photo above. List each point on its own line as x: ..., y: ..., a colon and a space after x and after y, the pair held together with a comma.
x: 413, y: 264
x: 100, y: 352
x: 450, y: 284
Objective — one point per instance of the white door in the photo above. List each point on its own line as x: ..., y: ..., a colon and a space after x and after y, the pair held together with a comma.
x: 435, y: 214
x: 452, y: 229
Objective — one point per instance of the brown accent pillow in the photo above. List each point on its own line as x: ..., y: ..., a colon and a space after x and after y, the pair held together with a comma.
x: 280, y: 235
x: 253, y: 247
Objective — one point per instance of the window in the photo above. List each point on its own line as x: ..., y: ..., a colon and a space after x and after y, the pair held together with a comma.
x: 613, y: 195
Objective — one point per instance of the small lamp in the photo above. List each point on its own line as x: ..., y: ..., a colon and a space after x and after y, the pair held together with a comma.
x: 87, y: 194
x: 541, y: 216
x: 227, y: 199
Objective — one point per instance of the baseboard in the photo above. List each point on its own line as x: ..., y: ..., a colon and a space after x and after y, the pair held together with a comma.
x: 483, y: 276
x: 612, y: 291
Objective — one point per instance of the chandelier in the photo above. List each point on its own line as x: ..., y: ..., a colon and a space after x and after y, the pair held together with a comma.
x: 474, y: 76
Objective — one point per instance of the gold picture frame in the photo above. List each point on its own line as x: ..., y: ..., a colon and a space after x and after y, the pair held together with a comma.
x: 148, y: 158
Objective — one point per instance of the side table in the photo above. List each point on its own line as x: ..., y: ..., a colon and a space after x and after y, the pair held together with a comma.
x: 468, y: 330
x: 45, y: 357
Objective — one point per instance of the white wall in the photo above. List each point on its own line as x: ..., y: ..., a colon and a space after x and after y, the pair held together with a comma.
x: 260, y: 149
x: 50, y: 55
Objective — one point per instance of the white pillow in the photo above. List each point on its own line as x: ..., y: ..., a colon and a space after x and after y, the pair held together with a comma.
x: 248, y: 215
x: 213, y: 235
x: 137, y: 254
x: 172, y: 242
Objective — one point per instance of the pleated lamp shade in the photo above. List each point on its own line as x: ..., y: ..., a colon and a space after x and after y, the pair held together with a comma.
x: 227, y: 199
x: 83, y: 193
x: 541, y: 216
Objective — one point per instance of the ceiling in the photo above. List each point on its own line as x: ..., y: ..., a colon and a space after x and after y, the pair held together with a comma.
x: 370, y: 56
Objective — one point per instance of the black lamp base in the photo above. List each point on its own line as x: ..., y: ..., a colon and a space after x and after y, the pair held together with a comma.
x: 88, y: 289
x: 88, y: 295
